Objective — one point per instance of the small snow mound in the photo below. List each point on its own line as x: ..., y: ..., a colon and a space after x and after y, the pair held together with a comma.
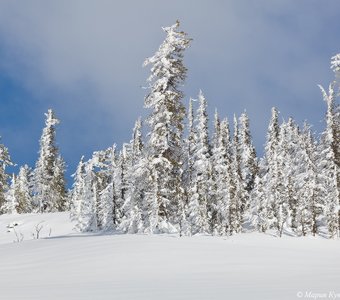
x: 13, y: 224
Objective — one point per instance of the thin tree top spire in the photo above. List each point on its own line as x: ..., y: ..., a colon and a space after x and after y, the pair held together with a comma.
x: 335, y: 64
x: 5, y: 159
x: 168, y: 70
x: 51, y: 119
x: 191, y: 113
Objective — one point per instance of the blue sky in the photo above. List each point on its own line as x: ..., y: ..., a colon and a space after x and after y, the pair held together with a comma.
x: 84, y: 60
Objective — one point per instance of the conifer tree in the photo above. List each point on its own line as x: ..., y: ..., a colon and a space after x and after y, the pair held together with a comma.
x: 137, y: 144
x: 166, y: 122
x: 187, y: 178
x: 264, y: 204
x: 93, y: 201
x: 122, y: 176
x: 248, y: 155
x: 272, y: 136
x: 215, y: 201
x: 215, y: 217
x: 78, y: 192
x: 109, y: 208
x: 11, y: 204
x: 217, y: 130
x: 248, y: 164
x: 285, y: 177
x: 272, y: 179
x: 49, y: 181
x: 133, y: 205
x: 310, y: 205
x: 58, y: 185
x: 328, y: 163
x: 222, y: 175
x: 5, y: 161
x: 87, y: 219
x: 239, y: 197
x: 200, y: 208
x: 260, y: 206
x: 100, y: 186
x: 190, y: 148
x: 335, y: 65
x: 24, y: 190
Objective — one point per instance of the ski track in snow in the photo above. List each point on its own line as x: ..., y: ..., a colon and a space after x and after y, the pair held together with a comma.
x: 74, y: 266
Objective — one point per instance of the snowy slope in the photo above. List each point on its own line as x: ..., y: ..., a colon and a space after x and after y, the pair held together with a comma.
x: 248, y: 266
x: 55, y: 224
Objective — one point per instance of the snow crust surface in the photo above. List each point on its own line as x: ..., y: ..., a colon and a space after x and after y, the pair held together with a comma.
x: 65, y: 265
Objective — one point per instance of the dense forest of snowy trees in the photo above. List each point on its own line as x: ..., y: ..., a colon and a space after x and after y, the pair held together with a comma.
x: 180, y: 178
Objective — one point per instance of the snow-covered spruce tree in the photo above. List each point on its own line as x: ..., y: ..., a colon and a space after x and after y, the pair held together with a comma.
x: 189, y: 185
x: 11, y: 203
x: 337, y: 139
x: 329, y: 164
x: 337, y: 136
x: 296, y: 152
x: 264, y: 203
x: 122, y: 176
x: 58, y: 185
x: 191, y: 141
x: 335, y: 65
x: 90, y: 202
x: 214, y: 188
x: 272, y: 136
x: 259, y: 202
x: 271, y: 178
x: 101, y: 193
x: 110, y: 203
x: 5, y: 161
x: 137, y: 144
x: 49, y: 181
x: 77, y: 193
x: 223, y: 182
x: 249, y: 166
x: 132, y: 221
x: 190, y: 146
x: 200, y: 208
x: 24, y: 190
x: 19, y: 197
x: 285, y: 193
x: 87, y: 214
x: 310, y: 204
x: 141, y: 208
x: 166, y: 123
x: 237, y: 206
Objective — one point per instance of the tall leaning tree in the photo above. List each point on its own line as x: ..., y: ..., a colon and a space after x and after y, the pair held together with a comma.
x: 164, y: 146
x: 49, y: 181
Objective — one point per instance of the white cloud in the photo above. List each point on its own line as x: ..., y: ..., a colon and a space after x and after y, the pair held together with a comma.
x: 85, y: 57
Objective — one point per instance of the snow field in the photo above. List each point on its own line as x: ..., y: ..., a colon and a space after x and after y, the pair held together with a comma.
x: 74, y: 266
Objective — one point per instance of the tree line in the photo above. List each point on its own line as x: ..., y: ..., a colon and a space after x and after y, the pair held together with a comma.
x: 179, y: 178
